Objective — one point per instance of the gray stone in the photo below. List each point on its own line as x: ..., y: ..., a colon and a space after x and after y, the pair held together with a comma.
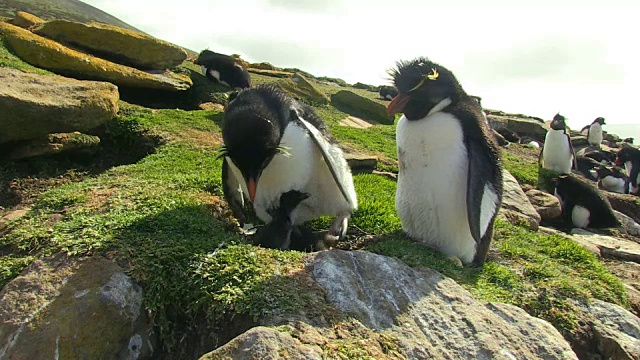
x: 264, y: 343
x: 515, y: 204
x: 361, y: 163
x: 74, y: 308
x: 616, y: 330
x: 625, y: 203
x: 610, y: 247
x: 547, y: 205
x: 431, y: 315
x: 36, y: 105
x: 523, y: 126
x: 362, y: 107
x: 628, y: 225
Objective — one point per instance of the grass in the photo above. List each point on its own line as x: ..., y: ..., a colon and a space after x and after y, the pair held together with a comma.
x: 158, y: 214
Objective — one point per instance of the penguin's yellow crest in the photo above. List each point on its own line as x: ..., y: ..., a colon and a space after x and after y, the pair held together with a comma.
x: 434, y: 74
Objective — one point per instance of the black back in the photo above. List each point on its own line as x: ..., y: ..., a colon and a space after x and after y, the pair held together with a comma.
x: 575, y: 191
x: 601, y: 156
x: 231, y: 71
x: 276, y: 234
x: 585, y: 164
x: 633, y: 155
x: 388, y: 90
x: 509, y: 135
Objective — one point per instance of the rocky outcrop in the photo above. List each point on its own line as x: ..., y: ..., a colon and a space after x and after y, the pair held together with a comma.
x: 36, y: 105
x: 361, y: 163
x: 521, y: 125
x: 617, y: 331
x: 263, y: 66
x: 516, y: 207
x: 301, y: 89
x: 74, y: 308
x: 430, y: 315
x: 119, y: 45
x: 627, y: 224
x: 546, y: 205
x: 608, y: 246
x: 50, y: 145
x: 47, y: 54
x: 26, y: 20
x: 626, y: 204
x: 362, y: 107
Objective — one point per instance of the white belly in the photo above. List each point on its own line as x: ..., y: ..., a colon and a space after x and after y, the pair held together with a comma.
x: 432, y: 184
x: 304, y: 170
x: 580, y: 216
x: 595, y: 134
x: 556, y: 154
x: 614, y: 184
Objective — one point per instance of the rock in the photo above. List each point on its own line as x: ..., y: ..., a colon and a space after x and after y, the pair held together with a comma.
x: 584, y: 243
x: 628, y: 225
x: 47, y: 54
x: 579, y: 141
x: 114, y: 43
x: 624, y: 203
x: 35, y: 105
x: 616, y: 330
x: 74, y: 308
x: 240, y: 60
x: 26, y: 20
x: 361, y: 163
x: 367, y: 87
x: 523, y: 126
x: 431, y: 316
x: 301, y: 89
x: 263, y: 66
x: 355, y: 122
x: 50, y: 145
x: 610, y: 247
x: 515, y: 204
x: 264, y: 343
x: 272, y: 73
x: 611, y: 137
x: 547, y: 205
x: 361, y: 107
x: 211, y: 106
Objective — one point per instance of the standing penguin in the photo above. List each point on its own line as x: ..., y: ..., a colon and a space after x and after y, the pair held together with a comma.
x: 557, y: 152
x: 450, y: 175
x: 630, y: 158
x: 582, y: 204
x: 223, y: 69
x: 613, y: 179
x: 594, y: 134
x: 273, y: 145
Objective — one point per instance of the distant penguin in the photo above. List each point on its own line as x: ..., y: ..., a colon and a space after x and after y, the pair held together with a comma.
x: 273, y: 144
x: 277, y: 233
x: 557, y: 152
x: 499, y: 139
x: 594, y: 134
x: 586, y: 166
x: 613, y: 179
x: 388, y: 92
x: 450, y: 174
x: 583, y: 205
x: 509, y: 135
x: 630, y: 158
x: 223, y: 69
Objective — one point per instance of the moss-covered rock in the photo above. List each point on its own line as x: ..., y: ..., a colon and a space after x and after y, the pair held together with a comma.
x: 361, y: 107
x: 272, y: 73
x: 364, y: 86
x: 35, y: 105
x: 301, y: 89
x: 263, y: 66
x: 50, y: 145
x: 48, y: 54
x: 26, y: 20
x: 119, y: 45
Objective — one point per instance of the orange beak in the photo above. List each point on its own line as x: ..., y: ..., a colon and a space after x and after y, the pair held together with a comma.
x: 252, y: 189
x: 397, y: 104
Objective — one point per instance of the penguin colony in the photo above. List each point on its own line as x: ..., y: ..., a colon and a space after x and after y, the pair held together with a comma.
x: 281, y: 164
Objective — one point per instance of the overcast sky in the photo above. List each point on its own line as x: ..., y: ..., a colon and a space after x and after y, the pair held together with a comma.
x: 581, y: 58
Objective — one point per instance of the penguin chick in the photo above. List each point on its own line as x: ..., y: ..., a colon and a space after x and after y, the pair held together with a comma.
x: 223, y: 69
x: 629, y: 157
x: 613, y: 179
x: 277, y: 233
x: 557, y: 151
x: 583, y: 205
x: 450, y: 174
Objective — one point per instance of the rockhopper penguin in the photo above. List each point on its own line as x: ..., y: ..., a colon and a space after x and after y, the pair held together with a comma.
x: 273, y: 145
x: 594, y: 133
x: 582, y: 204
x: 450, y: 175
x: 557, y: 152
x: 613, y: 179
x: 630, y: 158
x: 223, y: 69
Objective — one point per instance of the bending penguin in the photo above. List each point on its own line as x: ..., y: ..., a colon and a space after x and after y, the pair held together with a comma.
x: 629, y: 157
x: 613, y: 179
x: 582, y: 204
x: 450, y: 175
x: 594, y: 133
x: 557, y: 152
x: 273, y: 145
x: 223, y: 69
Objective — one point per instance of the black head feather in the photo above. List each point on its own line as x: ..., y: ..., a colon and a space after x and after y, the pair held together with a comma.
x: 558, y: 122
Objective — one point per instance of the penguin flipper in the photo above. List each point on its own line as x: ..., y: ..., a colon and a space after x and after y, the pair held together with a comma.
x: 484, y: 194
x: 633, y: 176
x: 234, y: 193
x: 574, y: 160
x: 335, y: 161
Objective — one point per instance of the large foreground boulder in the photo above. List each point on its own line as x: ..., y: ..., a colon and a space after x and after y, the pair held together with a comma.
x: 300, y: 88
x: 35, y: 105
x: 362, y: 107
x: 119, y: 45
x: 48, y: 54
x: 70, y: 308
